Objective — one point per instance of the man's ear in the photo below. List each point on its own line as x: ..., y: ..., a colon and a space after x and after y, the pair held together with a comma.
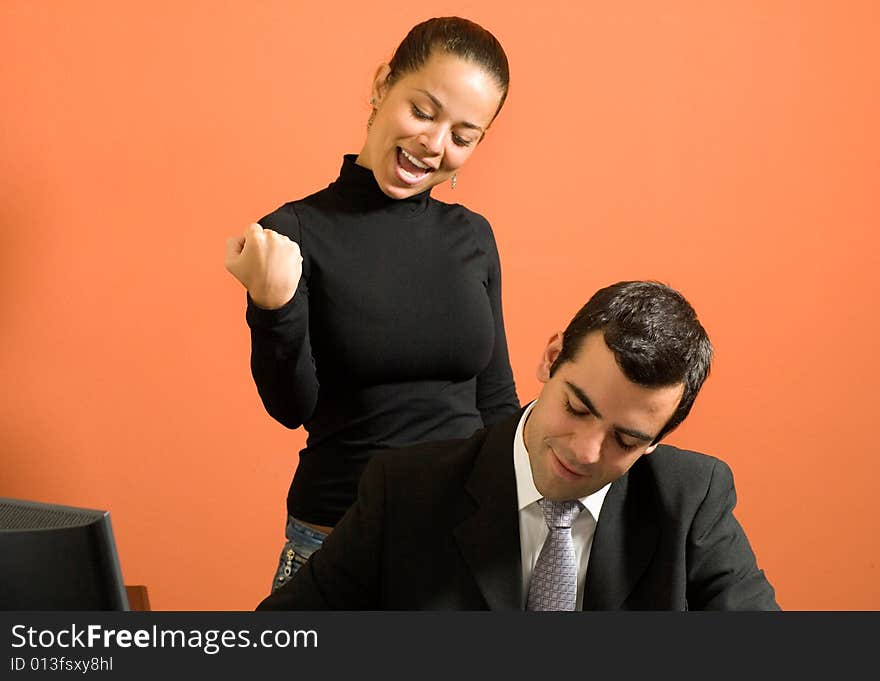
x: 380, y: 85
x: 551, y: 352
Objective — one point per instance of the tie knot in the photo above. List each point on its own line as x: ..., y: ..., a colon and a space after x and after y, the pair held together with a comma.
x: 560, y: 514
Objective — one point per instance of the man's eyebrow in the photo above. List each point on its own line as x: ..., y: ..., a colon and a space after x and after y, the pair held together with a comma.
x: 439, y: 105
x: 582, y: 396
x: 637, y: 434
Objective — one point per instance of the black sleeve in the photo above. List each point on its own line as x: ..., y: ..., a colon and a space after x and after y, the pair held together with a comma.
x: 343, y: 574
x: 496, y: 391
x: 722, y: 570
x: 282, y: 363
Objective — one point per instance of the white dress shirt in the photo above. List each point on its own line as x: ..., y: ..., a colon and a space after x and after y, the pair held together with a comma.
x: 532, y: 527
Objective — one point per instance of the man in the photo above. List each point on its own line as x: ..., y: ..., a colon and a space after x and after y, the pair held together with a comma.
x: 572, y: 504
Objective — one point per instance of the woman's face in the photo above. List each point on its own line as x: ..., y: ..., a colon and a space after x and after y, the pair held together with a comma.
x: 428, y: 123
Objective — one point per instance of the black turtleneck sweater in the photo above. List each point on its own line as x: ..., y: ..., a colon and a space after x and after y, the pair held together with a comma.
x: 394, y: 336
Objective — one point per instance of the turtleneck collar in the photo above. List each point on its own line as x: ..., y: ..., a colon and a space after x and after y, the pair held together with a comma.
x: 358, y: 185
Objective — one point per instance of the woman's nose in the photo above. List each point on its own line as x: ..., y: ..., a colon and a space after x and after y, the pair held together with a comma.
x: 432, y: 140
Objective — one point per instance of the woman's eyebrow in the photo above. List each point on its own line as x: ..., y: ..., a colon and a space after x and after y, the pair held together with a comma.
x: 439, y: 105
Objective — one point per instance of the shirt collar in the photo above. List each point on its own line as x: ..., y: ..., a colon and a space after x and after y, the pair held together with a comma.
x: 358, y: 186
x: 526, y: 491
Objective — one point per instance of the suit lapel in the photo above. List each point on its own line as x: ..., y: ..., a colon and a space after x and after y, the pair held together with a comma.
x: 626, y: 537
x: 489, y: 537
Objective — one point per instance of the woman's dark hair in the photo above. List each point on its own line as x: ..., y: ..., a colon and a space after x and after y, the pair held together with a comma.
x: 453, y: 35
x: 654, y: 334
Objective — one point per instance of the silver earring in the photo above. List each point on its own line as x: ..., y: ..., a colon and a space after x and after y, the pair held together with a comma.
x: 372, y: 113
x: 453, y: 181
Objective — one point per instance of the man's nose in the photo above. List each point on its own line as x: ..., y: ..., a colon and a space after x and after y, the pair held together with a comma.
x: 586, y: 443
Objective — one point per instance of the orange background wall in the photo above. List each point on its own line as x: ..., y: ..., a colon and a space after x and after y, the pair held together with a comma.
x: 730, y: 149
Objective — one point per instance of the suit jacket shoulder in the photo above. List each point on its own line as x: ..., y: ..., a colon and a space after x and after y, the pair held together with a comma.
x: 667, y: 538
x: 396, y: 547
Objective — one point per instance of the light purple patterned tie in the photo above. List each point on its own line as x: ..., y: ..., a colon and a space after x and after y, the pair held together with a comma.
x: 554, y: 580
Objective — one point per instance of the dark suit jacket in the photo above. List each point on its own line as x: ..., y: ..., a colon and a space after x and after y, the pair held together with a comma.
x: 436, y: 527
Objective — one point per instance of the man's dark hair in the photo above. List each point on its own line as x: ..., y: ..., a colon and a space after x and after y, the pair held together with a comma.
x: 452, y: 35
x: 654, y: 334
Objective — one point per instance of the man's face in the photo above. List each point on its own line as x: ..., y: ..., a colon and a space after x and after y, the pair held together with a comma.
x: 591, y: 423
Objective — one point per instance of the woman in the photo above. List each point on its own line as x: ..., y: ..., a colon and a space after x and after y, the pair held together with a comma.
x: 375, y: 310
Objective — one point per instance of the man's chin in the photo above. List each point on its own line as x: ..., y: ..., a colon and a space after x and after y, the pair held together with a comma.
x: 556, y: 492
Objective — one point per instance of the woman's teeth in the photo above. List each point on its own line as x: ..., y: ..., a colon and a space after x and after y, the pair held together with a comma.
x: 412, y: 159
x: 410, y: 169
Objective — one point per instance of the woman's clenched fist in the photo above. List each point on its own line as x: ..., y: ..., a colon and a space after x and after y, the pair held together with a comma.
x: 267, y: 263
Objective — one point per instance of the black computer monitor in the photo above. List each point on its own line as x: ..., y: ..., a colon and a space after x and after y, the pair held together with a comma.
x: 56, y: 557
